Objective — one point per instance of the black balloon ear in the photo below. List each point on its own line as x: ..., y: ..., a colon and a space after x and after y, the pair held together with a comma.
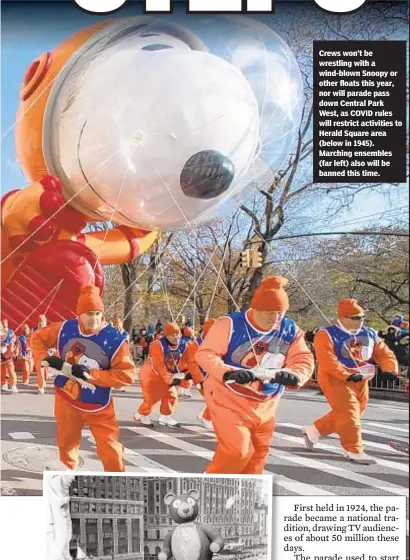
x: 207, y: 175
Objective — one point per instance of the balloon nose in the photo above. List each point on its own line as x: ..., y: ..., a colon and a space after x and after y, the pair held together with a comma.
x: 207, y: 174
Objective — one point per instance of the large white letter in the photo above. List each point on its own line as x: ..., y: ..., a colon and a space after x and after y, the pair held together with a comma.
x: 231, y: 6
x: 340, y: 6
x: 100, y: 6
x: 157, y: 6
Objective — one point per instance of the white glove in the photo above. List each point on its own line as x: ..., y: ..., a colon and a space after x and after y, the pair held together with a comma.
x: 368, y: 371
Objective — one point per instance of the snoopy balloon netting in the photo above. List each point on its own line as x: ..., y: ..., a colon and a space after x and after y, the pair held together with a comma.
x: 149, y: 125
x: 165, y: 126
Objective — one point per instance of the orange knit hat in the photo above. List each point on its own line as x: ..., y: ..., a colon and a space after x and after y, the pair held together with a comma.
x: 89, y: 300
x: 349, y: 307
x: 207, y: 325
x: 270, y: 296
x: 171, y: 328
x: 118, y: 322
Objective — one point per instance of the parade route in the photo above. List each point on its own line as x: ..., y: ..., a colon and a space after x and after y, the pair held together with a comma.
x: 29, y: 445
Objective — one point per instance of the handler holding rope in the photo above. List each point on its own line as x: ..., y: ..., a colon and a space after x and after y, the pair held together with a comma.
x: 94, y: 358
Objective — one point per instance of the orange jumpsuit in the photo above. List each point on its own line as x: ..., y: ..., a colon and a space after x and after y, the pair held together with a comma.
x: 42, y: 374
x: 348, y: 400
x: 7, y: 366
x: 196, y: 372
x: 70, y: 421
x: 156, y: 378
x: 244, y: 427
x: 25, y: 362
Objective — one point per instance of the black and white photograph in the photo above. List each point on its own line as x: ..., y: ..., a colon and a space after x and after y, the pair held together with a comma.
x: 128, y: 517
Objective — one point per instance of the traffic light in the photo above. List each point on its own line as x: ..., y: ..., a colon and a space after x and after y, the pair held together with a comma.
x: 256, y: 259
x: 246, y: 259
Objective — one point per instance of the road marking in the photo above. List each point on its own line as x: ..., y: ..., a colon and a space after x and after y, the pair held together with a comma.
x: 387, y: 427
x: 338, y: 450
x: 289, y: 484
x: 21, y: 435
x: 169, y: 439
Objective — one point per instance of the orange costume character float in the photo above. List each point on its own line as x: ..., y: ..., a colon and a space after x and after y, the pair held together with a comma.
x: 196, y: 373
x: 239, y: 352
x: 25, y: 354
x: 93, y: 352
x: 161, y: 374
x: 142, y: 169
x: 8, y: 351
x: 347, y: 354
x: 45, y: 256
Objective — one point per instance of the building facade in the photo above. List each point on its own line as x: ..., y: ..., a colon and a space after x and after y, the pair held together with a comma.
x: 107, y: 514
x: 242, y: 525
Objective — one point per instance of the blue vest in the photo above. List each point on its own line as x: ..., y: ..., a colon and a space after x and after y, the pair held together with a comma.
x: 353, y: 350
x: 96, y: 352
x: 24, y: 347
x: 249, y: 348
x: 4, y: 343
x: 172, y: 355
x: 9, y: 337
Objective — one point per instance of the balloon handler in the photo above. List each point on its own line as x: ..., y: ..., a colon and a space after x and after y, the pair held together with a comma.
x: 347, y: 354
x: 196, y: 373
x: 251, y: 357
x: 8, y: 372
x: 94, y: 359
x: 161, y: 374
x: 189, y: 540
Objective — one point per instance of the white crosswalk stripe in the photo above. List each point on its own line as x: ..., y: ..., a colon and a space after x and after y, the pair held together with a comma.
x: 324, y: 471
x: 392, y: 428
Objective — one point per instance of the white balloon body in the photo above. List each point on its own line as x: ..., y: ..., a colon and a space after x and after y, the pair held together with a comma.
x: 141, y: 98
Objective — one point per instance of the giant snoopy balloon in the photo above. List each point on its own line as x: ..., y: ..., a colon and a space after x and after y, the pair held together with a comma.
x: 147, y: 125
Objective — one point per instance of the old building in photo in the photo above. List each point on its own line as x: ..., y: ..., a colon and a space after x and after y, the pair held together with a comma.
x: 107, y: 515
x: 243, y: 525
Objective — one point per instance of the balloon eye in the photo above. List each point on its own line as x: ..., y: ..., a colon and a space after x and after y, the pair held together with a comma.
x: 191, y: 501
x: 35, y: 75
x: 177, y: 503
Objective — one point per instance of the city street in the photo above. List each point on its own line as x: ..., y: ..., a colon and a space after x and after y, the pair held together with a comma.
x: 29, y: 445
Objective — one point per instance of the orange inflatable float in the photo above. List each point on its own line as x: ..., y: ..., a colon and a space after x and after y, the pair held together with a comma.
x: 46, y: 257
x: 139, y: 125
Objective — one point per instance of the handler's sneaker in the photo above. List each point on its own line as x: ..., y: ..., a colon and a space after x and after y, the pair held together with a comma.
x: 40, y: 391
x: 144, y: 420
x: 168, y: 421
x: 311, y: 435
x: 360, y: 458
x: 206, y: 423
x: 14, y: 389
x: 5, y: 387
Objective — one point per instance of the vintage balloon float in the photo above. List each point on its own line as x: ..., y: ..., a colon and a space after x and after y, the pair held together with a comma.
x: 148, y: 126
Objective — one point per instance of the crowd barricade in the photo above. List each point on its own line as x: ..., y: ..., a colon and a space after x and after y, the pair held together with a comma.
x: 377, y: 383
x: 137, y: 354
